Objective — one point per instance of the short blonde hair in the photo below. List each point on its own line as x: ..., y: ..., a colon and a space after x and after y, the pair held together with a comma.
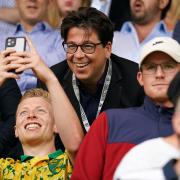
x: 36, y: 92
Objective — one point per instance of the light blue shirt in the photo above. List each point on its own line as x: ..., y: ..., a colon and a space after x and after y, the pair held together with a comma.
x: 102, y: 5
x: 126, y: 43
x: 48, y: 43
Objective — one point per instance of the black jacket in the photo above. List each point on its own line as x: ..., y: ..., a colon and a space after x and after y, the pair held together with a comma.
x: 124, y: 90
x: 10, y: 96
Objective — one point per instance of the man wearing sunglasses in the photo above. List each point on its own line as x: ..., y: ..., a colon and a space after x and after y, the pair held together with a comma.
x: 93, y: 78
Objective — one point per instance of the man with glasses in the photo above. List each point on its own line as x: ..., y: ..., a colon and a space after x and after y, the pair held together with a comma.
x: 116, y: 131
x: 158, y: 158
x: 93, y: 78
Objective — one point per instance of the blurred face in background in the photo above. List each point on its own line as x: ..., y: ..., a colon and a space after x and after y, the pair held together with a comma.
x: 32, y: 12
x: 68, y: 5
x: 145, y: 11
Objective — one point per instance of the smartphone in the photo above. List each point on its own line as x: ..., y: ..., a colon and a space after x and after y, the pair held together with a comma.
x: 16, y: 43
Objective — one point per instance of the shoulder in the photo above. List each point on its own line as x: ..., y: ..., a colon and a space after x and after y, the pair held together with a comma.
x: 123, y: 62
x: 125, y: 125
x: 61, y: 68
x: 125, y: 68
x: 122, y: 116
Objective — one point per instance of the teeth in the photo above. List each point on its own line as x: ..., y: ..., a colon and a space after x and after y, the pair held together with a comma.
x: 32, y: 126
x: 81, y: 64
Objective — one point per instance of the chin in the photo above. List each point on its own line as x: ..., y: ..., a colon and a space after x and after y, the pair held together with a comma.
x: 160, y: 99
x: 82, y: 77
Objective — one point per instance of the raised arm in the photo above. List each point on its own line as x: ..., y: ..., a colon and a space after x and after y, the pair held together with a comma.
x: 66, y: 119
x: 10, y: 15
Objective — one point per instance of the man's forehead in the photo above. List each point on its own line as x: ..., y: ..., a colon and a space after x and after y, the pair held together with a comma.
x: 33, y: 102
x: 158, y: 56
x: 85, y: 33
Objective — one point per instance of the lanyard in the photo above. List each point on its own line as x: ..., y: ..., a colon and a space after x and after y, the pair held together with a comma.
x: 102, y: 99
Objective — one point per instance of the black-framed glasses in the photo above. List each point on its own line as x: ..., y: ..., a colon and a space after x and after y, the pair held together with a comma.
x: 87, y: 48
x: 151, y: 68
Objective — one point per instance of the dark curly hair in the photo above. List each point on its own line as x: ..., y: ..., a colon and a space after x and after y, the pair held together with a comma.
x: 89, y: 19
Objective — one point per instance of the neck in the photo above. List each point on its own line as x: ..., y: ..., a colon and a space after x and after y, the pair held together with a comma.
x: 92, y: 87
x: 166, y: 104
x: 28, y: 26
x: 174, y: 140
x: 39, y: 150
x: 91, y: 84
x: 143, y: 30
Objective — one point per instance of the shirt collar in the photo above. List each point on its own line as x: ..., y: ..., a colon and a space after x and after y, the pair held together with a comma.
x: 40, y: 26
x: 129, y: 27
x: 53, y: 155
x: 152, y: 107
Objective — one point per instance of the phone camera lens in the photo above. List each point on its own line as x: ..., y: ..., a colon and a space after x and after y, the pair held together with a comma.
x: 11, y: 42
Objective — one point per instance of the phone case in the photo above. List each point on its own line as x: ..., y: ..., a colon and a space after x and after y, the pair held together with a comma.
x: 16, y: 43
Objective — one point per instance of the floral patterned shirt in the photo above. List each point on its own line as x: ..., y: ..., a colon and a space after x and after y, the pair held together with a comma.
x: 54, y: 166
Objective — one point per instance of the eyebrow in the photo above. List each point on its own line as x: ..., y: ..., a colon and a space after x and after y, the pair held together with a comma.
x: 26, y: 108
x: 84, y: 42
x: 168, y: 61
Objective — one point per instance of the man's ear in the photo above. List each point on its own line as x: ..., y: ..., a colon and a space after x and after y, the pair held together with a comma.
x: 163, y: 4
x: 55, y: 129
x: 108, y: 49
x: 16, y: 132
x: 140, y: 78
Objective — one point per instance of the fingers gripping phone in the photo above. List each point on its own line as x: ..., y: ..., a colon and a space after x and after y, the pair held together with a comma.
x: 16, y: 43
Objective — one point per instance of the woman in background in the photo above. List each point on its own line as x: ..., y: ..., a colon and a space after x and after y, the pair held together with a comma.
x: 58, y: 9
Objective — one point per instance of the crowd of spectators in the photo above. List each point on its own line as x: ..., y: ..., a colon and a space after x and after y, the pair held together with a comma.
x: 104, y: 69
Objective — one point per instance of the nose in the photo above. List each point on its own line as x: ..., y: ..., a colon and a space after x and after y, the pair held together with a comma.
x: 159, y: 72
x: 32, y: 115
x: 79, y: 53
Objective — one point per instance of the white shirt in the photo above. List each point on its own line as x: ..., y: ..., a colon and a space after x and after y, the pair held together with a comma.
x: 146, y: 160
x: 126, y: 42
x: 102, y: 5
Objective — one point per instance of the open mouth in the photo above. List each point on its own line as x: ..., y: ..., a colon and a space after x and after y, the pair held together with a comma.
x: 137, y: 5
x: 32, y: 126
x: 68, y: 3
x: 81, y: 65
x: 32, y: 7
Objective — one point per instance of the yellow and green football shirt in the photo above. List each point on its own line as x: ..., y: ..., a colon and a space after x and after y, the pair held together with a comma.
x: 54, y: 166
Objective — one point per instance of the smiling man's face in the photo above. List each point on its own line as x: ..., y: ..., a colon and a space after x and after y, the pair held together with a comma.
x: 34, y: 121
x: 87, y: 67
